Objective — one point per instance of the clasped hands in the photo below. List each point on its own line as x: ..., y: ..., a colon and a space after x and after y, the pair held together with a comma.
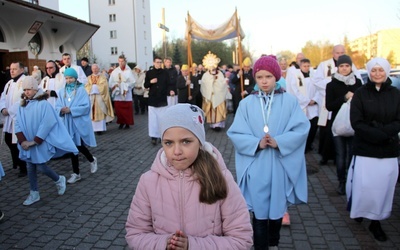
x: 178, y: 241
x: 5, y: 112
x: 65, y: 110
x: 27, y: 144
x: 267, y: 141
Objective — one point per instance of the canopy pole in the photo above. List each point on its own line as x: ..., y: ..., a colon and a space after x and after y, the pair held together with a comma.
x: 240, y: 52
x: 189, y: 49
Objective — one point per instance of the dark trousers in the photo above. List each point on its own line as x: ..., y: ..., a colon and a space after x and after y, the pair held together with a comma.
x: 326, y: 146
x: 138, y: 102
x: 344, y: 153
x: 236, y: 98
x: 75, y: 158
x: 14, y: 153
x: 199, y: 100
x: 145, y: 103
x: 312, y: 132
x: 266, y: 233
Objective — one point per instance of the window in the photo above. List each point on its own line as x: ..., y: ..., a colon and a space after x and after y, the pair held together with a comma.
x: 111, y: 2
x: 144, y: 4
x: 114, y: 51
x: 113, y: 34
x: 144, y: 35
x: 112, y: 17
x: 144, y: 19
x: 2, y: 39
x: 145, y: 50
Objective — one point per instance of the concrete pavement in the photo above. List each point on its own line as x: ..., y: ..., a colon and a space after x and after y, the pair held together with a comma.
x: 92, y: 212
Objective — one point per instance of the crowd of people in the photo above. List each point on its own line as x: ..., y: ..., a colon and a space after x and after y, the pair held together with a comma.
x: 278, y: 111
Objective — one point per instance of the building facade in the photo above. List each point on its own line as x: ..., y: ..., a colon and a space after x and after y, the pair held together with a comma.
x: 125, y: 28
x: 33, y: 33
x: 384, y: 43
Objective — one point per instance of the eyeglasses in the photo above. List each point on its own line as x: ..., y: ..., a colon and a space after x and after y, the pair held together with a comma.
x: 49, y: 67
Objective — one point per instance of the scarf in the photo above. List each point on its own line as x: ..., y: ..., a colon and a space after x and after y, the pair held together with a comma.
x: 349, y: 80
x: 70, y: 87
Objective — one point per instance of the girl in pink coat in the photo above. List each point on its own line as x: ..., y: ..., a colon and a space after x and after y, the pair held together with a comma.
x: 189, y: 199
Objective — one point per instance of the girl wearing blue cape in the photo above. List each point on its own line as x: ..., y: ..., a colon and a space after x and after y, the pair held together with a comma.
x: 41, y: 136
x: 73, y: 106
x: 269, y: 134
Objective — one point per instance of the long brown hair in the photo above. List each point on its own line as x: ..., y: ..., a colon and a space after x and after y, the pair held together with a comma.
x: 213, y: 185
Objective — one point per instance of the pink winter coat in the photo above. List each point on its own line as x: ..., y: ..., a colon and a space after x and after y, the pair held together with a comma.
x: 167, y: 200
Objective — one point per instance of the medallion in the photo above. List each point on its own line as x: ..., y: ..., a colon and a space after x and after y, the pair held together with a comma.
x: 266, y: 129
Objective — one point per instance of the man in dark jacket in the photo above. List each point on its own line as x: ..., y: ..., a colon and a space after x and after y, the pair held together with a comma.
x: 157, y: 81
x: 172, y: 98
x: 248, y: 83
x: 186, y: 82
x: 85, y: 66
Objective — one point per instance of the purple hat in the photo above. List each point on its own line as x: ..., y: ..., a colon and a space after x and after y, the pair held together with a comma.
x: 268, y: 63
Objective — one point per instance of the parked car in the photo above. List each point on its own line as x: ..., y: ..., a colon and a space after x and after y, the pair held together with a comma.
x: 394, y: 76
x: 364, y: 75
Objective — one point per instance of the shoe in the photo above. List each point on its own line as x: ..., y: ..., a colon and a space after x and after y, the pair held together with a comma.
x: 74, y: 178
x: 22, y: 173
x: 93, y: 166
x: 1, y: 215
x: 323, y: 162
x: 341, y: 189
x: 121, y: 126
x: 32, y: 198
x: 127, y: 126
x: 62, y: 184
x: 217, y: 129
x: 153, y: 141
x: 136, y: 113
x: 286, y: 219
x: 99, y: 133
x: 376, y: 230
x: 359, y: 219
x: 308, y: 149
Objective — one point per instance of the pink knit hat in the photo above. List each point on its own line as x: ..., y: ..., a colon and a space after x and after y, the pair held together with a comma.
x: 268, y: 63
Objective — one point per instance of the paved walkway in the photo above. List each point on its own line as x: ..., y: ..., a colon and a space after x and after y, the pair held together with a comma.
x: 92, y: 212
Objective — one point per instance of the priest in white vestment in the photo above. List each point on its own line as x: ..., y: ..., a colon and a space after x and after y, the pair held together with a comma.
x: 52, y: 82
x: 101, y: 110
x: 214, y: 89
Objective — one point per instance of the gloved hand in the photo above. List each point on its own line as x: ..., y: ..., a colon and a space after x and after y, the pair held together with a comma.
x: 27, y: 144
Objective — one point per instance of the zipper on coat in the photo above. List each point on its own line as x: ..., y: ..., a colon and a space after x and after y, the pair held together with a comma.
x: 181, y: 202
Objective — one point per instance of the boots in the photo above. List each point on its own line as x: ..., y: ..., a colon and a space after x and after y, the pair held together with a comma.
x: 341, y: 189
